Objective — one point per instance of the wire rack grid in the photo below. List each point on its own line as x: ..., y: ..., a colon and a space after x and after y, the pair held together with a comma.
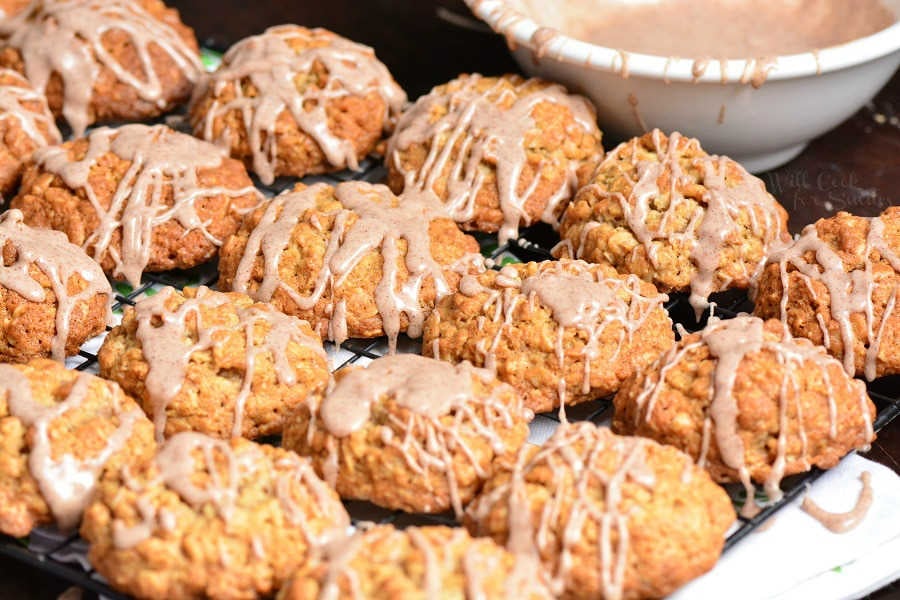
x: 64, y: 556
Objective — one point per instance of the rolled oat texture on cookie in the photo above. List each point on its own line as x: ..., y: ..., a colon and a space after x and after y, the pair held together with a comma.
x: 749, y: 403
x: 297, y: 101
x: 409, y: 432
x: 138, y: 198
x: 214, y: 362
x: 62, y: 435
x: 500, y: 152
x: 838, y: 285
x: 103, y: 60
x: 208, y: 518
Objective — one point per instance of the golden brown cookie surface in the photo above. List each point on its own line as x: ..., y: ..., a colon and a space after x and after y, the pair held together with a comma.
x: 500, y: 152
x: 353, y: 260
x: 609, y: 516
x: 297, y: 101
x: 103, y: 60
x: 749, y: 403
x: 843, y: 290
x: 661, y: 208
x: 214, y: 362
x: 414, y: 564
x: 26, y: 124
x: 557, y: 330
x: 53, y: 297
x: 409, y: 432
x: 138, y: 198
x: 209, y: 518
x: 61, y: 433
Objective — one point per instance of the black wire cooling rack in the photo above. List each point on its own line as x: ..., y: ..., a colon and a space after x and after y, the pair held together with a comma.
x: 63, y: 557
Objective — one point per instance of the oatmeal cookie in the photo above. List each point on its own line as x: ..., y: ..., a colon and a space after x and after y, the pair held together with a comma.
x: 214, y: 362
x: 663, y: 209
x: 26, y: 124
x: 297, y: 101
x: 206, y: 518
x: 53, y: 297
x: 138, y: 198
x: 417, y: 563
x: 353, y: 260
x: 609, y: 516
x: 409, y: 432
x: 843, y: 290
x: 560, y: 332
x: 749, y: 403
x: 61, y: 433
x: 103, y: 60
x: 500, y: 152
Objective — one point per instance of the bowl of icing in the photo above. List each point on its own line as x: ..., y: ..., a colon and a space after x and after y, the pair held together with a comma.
x: 670, y: 64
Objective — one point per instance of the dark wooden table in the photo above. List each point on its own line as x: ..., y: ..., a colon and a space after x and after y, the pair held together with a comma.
x: 855, y: 167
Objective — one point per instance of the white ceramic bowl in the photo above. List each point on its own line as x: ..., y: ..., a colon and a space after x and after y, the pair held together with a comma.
x: 803, y: 96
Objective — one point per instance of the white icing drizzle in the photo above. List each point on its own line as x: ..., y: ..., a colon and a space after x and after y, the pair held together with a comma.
x: 22, y: 103
x: 67, y: 37
x: 729, y: 343
x: 66, y: 482
x: 272, y: 65
x: 843, y: 522
x: 161, y: 160
x: 239, y: 463
x: 51, y: 252
x: 381, y: 222
x: 724, y: 200
x: 431, y: 390
x: 475, y: 129
x: 168, y: 347
x: 592, y: 492
x: 579, y: 297
x: 850, y: 291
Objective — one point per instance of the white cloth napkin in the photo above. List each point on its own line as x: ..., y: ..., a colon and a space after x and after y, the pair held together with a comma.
x: 796, y: 557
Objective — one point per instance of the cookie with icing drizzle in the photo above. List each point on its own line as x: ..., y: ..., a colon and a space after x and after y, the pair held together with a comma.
x: 103, y: 60
x: 557, y: 331
x: 500, y: 152
x: 218, y: 363
x: 416, y: 562
x: 206, y: 518
x: 138, y: 198
x: 609, y: 516
x: 53, y: 297
x: 26, y: 124
x: 297, y: 101
x: 838, y: 284
x: 409, y: 432
x: 661, y: 208
x: 749, y: 403
x: 61, y: 434
x: 353, y: 260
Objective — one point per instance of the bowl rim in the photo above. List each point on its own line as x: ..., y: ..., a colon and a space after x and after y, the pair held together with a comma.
x: 517, y: 27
